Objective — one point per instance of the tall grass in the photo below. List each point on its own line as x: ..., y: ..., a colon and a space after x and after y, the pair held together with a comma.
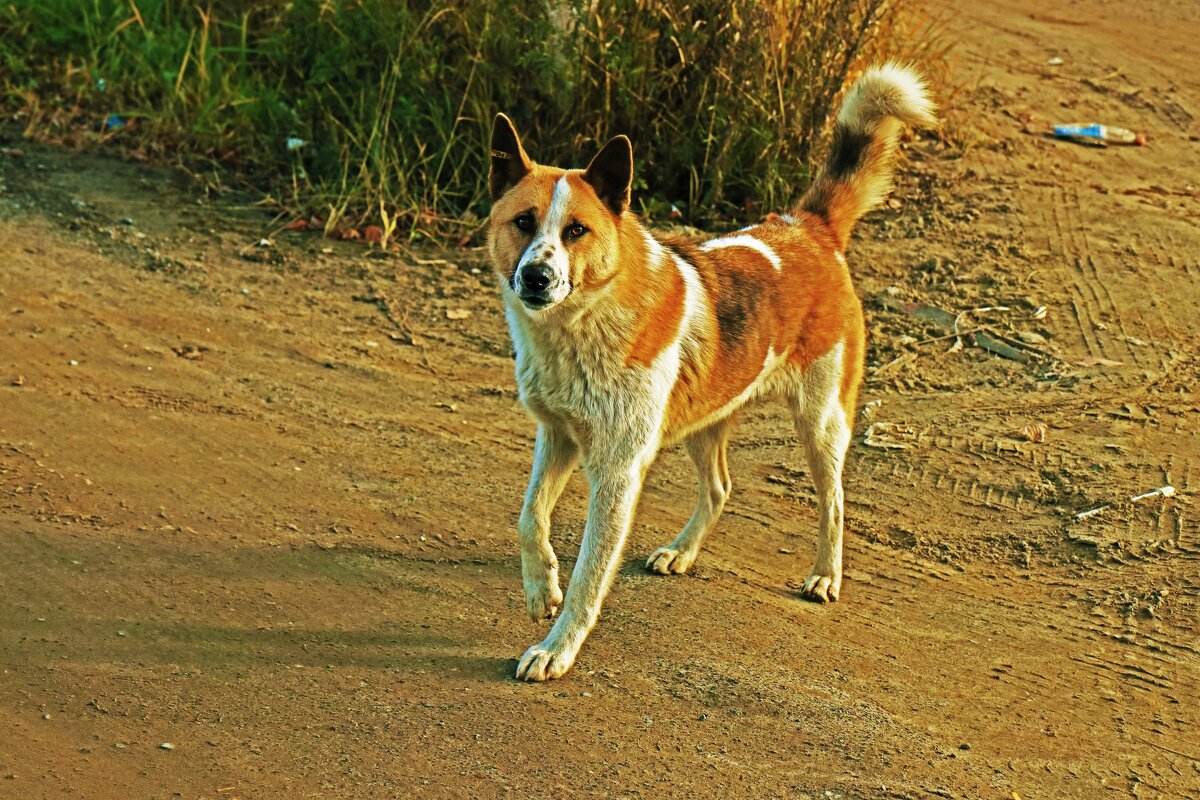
x: 725, y: 100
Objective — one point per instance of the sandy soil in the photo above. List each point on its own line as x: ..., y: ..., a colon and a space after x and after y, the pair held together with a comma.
x: 259, y: 503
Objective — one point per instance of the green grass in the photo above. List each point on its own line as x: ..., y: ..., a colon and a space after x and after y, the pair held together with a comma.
x: 726, y: 101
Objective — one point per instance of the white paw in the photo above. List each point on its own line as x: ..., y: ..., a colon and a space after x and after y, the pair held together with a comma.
x: 543, y: 662
x: 822, y: 588
x: 666, y: 560
x: 543, y: 598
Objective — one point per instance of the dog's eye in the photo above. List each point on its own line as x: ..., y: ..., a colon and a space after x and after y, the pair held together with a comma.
x: 525, y: 222
x: 574, y: 231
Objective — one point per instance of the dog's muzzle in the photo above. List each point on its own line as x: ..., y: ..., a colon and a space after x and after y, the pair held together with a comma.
x: 535, y: 285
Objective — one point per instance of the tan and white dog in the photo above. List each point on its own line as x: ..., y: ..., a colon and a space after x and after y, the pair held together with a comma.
x: 627, y: 341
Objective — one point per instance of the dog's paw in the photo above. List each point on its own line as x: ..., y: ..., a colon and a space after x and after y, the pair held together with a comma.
x: 822, y: 588
x: 667, y: 560
x: 543, y: 599
x: 543, y: 662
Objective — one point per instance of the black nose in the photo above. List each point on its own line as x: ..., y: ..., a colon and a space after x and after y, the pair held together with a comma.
x: 535, y: 277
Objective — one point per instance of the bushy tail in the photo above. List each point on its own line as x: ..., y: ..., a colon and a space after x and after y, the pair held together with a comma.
x: 858, y: 173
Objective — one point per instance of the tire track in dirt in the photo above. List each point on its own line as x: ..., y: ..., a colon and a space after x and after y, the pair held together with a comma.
x: 1059, y: 239
x: 1091, y: 278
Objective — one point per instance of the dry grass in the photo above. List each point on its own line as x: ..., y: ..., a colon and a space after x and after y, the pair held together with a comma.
x: 726, y: 101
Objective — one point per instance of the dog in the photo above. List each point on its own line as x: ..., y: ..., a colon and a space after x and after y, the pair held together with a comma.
x: 627, y: 341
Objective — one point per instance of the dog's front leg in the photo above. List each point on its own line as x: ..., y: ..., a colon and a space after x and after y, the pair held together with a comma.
x: 614, y: 494
x: 554, y: 457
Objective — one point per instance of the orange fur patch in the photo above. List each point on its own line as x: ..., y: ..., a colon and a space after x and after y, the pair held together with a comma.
x: 658, y: 321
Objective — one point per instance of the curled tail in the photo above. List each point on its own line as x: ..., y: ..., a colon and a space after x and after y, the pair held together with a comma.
x: 858, y: 172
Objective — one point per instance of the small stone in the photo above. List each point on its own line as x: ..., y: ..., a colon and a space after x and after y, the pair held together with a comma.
x: 166, y: 746
x: 45, y: 716
x: 585, y: 694
x: 119, y: 745
x: 964, y: 746
x: 73, y: 363
x: 120, y: 633
x: 127, y: 221
x: 19, y: 380
x: 702, y: 717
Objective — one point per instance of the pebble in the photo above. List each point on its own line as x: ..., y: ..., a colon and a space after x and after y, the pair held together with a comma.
x: 120, y: 633
x: 127, y: 221
x: 585, y: 694
x: 73, y: 363
x: 964, y: 746
x: 166, y: 746
x: 45, y: 716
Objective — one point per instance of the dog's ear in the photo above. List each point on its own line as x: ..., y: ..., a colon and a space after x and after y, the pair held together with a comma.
x: 611, y: 173
x: 509, y: 162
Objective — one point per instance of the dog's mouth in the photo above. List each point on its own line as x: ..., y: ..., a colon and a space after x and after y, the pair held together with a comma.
x: 536, y: 301
x: 540, y: 301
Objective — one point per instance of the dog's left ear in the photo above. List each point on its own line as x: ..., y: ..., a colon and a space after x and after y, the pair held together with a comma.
x: 509, y: 162
x: 611, y: 173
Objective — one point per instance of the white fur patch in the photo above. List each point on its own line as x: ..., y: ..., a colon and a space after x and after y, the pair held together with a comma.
x: 547, y: 246
x: 744, y: 240
x: 654, y: 252
x: 695, y: 301
x: 890, y: 90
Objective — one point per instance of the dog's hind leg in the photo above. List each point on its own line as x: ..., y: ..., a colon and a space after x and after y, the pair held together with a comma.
x: 707, y: 447
x: 824, y: 429
x: 554, y: 458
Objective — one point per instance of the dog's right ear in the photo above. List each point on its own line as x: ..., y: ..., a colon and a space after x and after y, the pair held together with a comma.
x: 509, y: 162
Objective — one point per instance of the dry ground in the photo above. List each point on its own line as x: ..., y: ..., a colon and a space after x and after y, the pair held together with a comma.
x: 259, y: 503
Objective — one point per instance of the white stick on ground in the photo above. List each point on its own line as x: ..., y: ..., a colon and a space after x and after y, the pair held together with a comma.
x: 1165, y: 491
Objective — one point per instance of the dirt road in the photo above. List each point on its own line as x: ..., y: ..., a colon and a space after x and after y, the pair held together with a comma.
x: 258, y: 502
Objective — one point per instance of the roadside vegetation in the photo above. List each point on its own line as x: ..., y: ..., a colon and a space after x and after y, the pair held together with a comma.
x: 355, y: 112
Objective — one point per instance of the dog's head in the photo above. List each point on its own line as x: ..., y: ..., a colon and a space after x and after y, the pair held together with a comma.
x: 553, y: 236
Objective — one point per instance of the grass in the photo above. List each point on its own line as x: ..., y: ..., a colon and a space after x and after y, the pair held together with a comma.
x: 726, y: 101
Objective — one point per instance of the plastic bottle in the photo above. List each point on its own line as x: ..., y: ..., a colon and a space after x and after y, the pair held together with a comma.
x: 1100, y: 133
